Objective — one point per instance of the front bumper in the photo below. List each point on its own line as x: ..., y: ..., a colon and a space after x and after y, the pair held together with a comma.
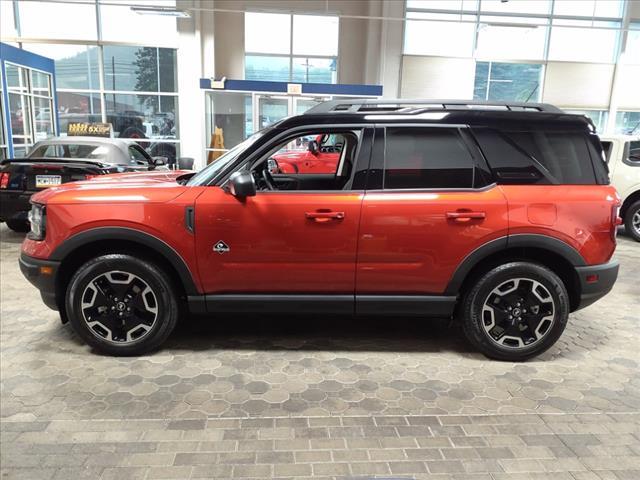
x: 42, y: 274
x: 14, y: 204
x: 596, y: 281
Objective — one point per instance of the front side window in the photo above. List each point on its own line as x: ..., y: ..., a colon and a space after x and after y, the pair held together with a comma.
x: 137, y: 155
x: 313, y: 161
x: 417, y: 158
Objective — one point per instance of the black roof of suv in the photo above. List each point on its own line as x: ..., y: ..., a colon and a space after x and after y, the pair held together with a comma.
x: 437, y: 112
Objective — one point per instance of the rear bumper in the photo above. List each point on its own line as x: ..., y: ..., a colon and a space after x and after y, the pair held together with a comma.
x: 14, y: 204
x: 596, y: 281
x: 44, y: 279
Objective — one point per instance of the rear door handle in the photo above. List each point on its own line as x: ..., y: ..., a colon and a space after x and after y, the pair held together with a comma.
x: 322, y: 217
x: 465, y: 216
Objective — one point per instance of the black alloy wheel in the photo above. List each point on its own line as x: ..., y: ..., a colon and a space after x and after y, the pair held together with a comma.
x: 632, y: 221
x: 121, y: 304
x: 515, y: 311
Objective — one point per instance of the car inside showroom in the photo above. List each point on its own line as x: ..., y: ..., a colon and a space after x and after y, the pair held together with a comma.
x: 328, y: 239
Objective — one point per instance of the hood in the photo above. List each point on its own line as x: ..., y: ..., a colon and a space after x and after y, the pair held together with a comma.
x: 135, y: 187
x: 142, y: 177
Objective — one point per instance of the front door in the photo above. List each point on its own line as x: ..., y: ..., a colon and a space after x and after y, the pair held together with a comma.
x: 297, y: 235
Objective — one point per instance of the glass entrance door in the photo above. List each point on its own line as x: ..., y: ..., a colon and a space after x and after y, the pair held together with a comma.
x: 271, y: 109
x: 302, y: 104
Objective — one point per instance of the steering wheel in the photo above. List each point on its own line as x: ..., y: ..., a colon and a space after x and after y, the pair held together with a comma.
x: 268, y: 179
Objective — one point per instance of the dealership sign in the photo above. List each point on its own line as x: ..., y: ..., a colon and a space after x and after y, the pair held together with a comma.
x: 75, y: 129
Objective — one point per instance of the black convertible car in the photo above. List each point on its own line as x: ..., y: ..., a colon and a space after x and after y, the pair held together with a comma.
x: 60, y: 160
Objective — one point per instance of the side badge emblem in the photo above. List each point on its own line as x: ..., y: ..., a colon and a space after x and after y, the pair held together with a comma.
x: 221, y: 247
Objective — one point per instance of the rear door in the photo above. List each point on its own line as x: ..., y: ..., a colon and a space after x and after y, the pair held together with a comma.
x: 428, y: 205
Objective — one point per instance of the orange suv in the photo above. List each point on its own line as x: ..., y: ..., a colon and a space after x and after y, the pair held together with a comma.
x: 498, y: 215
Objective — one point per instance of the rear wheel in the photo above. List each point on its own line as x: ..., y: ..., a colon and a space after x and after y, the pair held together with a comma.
x: 18, y: 225
x: 122, y: 305
x: 632, y: 221
x: 515, y: 311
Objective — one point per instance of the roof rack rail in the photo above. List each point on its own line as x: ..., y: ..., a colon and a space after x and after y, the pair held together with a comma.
x: 408, y: 106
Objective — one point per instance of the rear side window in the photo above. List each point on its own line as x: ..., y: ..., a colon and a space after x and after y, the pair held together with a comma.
x: 632, y: 153
x: 418, y: 158
x: 537, y: 156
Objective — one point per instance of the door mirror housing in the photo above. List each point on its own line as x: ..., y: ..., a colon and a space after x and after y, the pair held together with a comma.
x: 313, y: 147
x: 159, y: 161
x: 242, y: 184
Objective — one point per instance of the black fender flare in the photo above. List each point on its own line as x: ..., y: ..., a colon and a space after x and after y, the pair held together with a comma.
x: 86, y: 237
x: 541, y: 242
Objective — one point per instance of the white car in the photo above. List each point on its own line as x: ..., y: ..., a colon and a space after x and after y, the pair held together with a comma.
x: 623, y: 156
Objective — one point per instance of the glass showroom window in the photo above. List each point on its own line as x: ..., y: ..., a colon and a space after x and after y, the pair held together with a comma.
x: 439, y: 34
x: 628, y: 123
x: 30, y: 106
x: 598, y: 117
x: 283, y: 47
x: 632, y: 51
x: 4, y: 149
x: 531, y: 7
x: 576, y: 40
x: 511, y: 38
x: 229, y: 121
x: 121, y: 24
x: 77, y: 81
x: 508, y: 81
x: 588, y: 8
x: 64, y: 21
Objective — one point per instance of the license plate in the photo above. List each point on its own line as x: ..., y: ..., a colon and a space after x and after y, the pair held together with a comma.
x: 44, y: 181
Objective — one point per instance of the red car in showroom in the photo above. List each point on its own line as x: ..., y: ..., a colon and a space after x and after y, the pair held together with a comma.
x: 500, y: 216
x: 317, y: 154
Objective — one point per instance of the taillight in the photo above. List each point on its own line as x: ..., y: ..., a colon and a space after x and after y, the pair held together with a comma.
x: 615, y: 220
x: 4, y: 180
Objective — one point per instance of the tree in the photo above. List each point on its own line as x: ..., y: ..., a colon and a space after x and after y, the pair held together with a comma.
x: 146, y: 63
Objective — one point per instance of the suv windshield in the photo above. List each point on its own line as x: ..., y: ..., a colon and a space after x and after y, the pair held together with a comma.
x: 205, y: 175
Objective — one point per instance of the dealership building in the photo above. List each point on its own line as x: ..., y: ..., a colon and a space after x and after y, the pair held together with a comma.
x: 274, y: 239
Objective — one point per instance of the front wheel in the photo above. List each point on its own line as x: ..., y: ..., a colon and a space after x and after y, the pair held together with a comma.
x: 632, y: 221
x: 122, y: 305
x: 515, y: 311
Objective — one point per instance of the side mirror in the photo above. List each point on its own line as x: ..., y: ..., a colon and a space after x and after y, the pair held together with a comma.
x: 159, y: 161
x: 313, y: 147
x: 242, y: 185
x: 185, y: 163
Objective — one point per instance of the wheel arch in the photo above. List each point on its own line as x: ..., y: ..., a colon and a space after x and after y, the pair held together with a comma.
x: 558, y: 256
x: 630, y: 200
x: 98, y: 241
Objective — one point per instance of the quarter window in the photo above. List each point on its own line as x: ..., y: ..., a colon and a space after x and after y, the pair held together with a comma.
x: 426, y: 158
x: 537, y: 156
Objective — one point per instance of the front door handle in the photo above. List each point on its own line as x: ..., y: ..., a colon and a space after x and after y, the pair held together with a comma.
x: 467, y: 216
x: 322, y: 217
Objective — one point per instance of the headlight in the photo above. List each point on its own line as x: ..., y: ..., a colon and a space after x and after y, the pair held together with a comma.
x: 38, y: 220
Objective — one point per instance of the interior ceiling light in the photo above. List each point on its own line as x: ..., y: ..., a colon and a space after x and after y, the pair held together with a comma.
x: 164, y: 11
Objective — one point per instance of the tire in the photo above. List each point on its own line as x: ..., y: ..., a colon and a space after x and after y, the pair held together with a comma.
x: 632, y: 221
x: 516, y: 289
x: 120, y: 289
x: 19, y: 226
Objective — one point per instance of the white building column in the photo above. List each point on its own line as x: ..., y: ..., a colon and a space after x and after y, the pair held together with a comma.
x: 191, y: 116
